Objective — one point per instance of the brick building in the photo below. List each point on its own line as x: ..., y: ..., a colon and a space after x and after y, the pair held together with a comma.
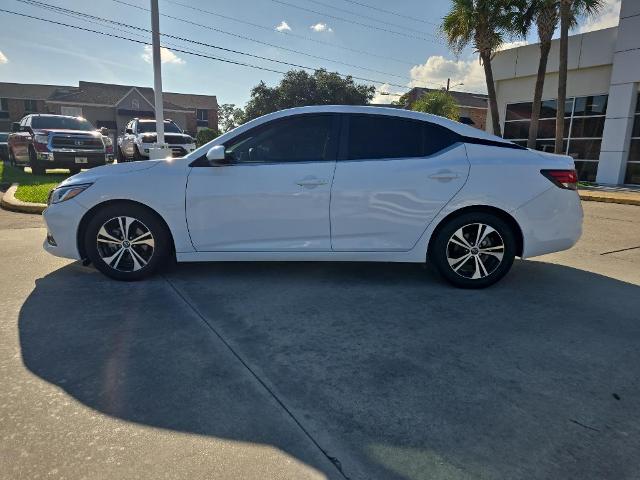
x: 473, y: 106
x: 105, y: 105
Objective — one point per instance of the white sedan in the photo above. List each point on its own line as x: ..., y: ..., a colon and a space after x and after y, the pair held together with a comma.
x: 326, y: 183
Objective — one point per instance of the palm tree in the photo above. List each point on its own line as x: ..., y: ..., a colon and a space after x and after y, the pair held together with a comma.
x: 570, y: 10
x: 545, y: 15
x: 484, y: 24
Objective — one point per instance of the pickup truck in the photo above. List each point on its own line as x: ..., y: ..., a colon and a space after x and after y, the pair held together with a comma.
x: 140, y: 135
x: 44, y: 141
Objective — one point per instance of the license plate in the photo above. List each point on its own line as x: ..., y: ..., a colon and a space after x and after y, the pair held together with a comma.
x: 81, y: 160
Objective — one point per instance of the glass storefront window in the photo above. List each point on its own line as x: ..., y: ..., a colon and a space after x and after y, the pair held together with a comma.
x: 584, y: 127
x: 633, y: 164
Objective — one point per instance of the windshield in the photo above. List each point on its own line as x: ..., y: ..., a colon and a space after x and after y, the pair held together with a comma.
x: 150, y: 126
x: 3, y: 137
x: 63, y: 123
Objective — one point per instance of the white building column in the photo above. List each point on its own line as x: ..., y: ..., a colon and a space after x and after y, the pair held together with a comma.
x: 623, y: 93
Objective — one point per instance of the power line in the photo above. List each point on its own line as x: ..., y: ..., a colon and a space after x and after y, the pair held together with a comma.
x: 290, y: 34
x: 379, y: 82
x: 358, y: 14
x: 353, y: 22
x: 244, y: 37
x: 409, y: 17
x: 65, y: 11
x: 142, y: 42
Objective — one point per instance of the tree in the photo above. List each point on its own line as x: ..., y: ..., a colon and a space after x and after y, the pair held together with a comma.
x: 438, y: 102
x: 205, y: 136
x: 484, y: 24
x: 299, y: 88
x: 570, y: 10
x: 545, y: 15
x: 229, y: 117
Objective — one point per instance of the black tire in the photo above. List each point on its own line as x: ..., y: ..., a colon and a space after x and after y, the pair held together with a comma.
x: 121, y: 157
x: 137, y: 156
x: 36, y: 167
x: 483, y: 265
x: 125, y: 269
x: 74, y: 170
x: 12, y: 158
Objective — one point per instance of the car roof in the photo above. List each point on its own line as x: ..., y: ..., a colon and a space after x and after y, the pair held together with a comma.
x: 457, y: 127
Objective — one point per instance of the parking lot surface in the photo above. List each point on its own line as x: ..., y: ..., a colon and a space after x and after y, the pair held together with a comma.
x: 323, y: 370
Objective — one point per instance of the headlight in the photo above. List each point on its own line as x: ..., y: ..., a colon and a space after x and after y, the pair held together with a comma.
x: 44, y: 139
x: 107, y: 141
x: 62, y: 194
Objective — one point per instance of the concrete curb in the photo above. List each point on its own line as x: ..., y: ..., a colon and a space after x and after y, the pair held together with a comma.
x: 10, y: 202
x: 606, y: 197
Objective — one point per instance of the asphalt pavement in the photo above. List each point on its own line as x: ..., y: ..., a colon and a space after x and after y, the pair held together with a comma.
x: 323, y: 370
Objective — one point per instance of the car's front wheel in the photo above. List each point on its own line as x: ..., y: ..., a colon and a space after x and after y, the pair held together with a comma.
x: 473, y: 250
x: 126, y: 241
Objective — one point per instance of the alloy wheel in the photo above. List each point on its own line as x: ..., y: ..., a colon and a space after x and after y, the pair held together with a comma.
x: 475, y: 251
x: 125, y: 244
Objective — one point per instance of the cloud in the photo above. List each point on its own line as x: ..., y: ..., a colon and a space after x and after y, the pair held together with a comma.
x: 3, y: 58
x: 166, y: 56
x: 283, y: 27
x: 607, y: 17
x: 516, y: 44
x: 435, y: 71
x: 321, y: 27
x: 381, y: 94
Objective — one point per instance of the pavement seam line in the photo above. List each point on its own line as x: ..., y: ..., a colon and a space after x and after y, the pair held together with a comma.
x: 620, y: 250
x: 334, y: 461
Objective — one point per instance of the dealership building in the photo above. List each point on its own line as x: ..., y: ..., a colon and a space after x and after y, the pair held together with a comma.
x: 602, y: 121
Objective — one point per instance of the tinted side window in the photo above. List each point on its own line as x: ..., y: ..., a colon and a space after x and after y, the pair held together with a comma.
x: 378, y: 136
x: 304, y: 138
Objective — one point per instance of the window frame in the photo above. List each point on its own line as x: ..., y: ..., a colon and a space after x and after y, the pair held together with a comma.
x: 335, y: 132
x: 343, y: 153
x: 28, y: 101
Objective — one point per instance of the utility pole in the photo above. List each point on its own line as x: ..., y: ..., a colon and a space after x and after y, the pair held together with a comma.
x: 157, y: 80
x: 448, y: 83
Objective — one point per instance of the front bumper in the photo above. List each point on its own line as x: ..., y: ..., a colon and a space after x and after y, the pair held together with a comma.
x: 71, y: 159
x: 62, y: 221
x: 177, y: 150
x: 551, y: 222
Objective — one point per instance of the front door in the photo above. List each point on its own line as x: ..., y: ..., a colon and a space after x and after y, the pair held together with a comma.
x: 396, y: 175
x: 274, y: 193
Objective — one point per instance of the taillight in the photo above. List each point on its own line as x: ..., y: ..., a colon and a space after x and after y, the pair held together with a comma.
x: 567, y: 179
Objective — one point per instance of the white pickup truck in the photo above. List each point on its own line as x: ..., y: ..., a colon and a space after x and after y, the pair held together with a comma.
x: 140, y: 136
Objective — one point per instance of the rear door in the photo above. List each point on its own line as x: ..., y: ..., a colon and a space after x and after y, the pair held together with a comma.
x: 392, y: 178
x: 21, y: 140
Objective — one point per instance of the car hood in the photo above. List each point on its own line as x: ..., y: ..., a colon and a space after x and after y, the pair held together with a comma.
x: 95, y: 174
x: 44, y: 131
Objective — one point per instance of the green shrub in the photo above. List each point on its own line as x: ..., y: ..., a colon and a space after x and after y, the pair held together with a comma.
x: 206, y: 135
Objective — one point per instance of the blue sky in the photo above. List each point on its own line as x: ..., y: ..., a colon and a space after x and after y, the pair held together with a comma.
x: 35, y: 52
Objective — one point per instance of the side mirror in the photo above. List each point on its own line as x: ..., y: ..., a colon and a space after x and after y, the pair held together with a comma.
x: 104, y: 131
x: 129, y: 131
x: 217, y: 156
x: 15, y: 127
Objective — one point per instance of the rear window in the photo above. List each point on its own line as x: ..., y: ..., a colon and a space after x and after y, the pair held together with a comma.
x: 379, y: 136
x: 63, y: 123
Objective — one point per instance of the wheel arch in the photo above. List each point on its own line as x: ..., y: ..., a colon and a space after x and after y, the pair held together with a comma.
x: 82, y: 227
x: 505, y: 216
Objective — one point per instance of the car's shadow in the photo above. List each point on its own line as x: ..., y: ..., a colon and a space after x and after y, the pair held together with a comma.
x: 405, y: 376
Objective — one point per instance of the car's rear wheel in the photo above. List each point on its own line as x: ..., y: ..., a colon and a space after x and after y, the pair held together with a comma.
x: 474, y: 250
x: 12, y: 158
x: 126, y: 241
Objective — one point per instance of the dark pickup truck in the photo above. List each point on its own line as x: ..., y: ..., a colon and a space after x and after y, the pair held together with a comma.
x: 58, y: 141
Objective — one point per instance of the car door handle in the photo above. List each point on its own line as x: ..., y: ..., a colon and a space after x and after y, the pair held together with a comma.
x: 444, y: 176
x: 311, y: 182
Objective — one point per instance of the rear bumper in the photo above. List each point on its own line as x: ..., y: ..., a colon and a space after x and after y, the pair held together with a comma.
x: 551, y: 222
x: 62, y: 221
